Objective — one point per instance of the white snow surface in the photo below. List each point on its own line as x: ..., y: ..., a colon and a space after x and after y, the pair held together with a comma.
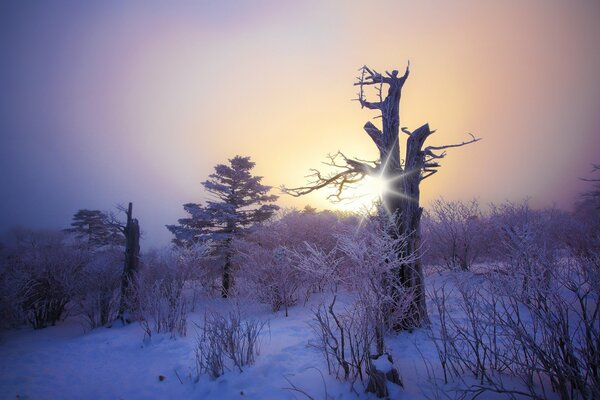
x: 383, y: 364
x: 64, y: 362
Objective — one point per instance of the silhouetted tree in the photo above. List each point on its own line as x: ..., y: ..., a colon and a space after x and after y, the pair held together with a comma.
x: 96, y: 228
x: 594, y: 193
x: 404, y: 176
x: 239, y: 200
x: 131, y: 231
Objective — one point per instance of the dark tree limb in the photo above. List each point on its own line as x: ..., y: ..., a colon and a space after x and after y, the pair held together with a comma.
x: 448, y: 146
x: 132, y: 261
x: 595, y: 167
x: 353, y: 171
x: 375, y: 134
x: 403, y: 174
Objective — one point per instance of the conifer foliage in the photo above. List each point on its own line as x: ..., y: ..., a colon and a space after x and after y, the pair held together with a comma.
x: 238, y: 200
x: 96, y: 228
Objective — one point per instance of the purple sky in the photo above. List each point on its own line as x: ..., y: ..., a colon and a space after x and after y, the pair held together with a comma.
x: 109, y: 102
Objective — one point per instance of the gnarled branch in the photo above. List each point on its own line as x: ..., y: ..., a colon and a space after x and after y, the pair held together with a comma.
x: 429, y: 165
x: 375, y: 134
x: 448, y: 146
x: 353, y: 171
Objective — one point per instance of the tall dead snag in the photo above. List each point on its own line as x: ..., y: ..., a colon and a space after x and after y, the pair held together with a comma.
x: 132, y: 261
x: 403, y: 176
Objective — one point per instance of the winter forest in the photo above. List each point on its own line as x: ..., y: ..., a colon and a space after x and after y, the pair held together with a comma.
x: 396, y: 261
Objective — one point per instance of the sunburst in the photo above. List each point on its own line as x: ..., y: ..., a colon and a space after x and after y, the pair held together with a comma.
x: 372, y: 189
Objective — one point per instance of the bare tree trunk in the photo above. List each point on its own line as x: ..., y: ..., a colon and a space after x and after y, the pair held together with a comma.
x: 226, y: 281
x: 402, y: 200
x: 227, y: 276
x: 132, y: 260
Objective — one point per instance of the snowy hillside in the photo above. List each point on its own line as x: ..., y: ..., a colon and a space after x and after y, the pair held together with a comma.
x: 63, y: 362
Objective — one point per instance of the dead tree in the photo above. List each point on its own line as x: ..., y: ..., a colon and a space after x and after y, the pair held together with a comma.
x: 132, y: 260
x: 403, y: 175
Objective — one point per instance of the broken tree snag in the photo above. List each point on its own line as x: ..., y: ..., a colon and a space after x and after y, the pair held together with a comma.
x: 381, y: 370
x: 132, y: 261
x: 404, y: 176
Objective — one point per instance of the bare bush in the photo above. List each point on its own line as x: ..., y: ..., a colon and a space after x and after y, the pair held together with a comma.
x: 263, y: 256
x: 40, y: 272
x: 270, y: 274
x: 10, y: 307
x: 583, y: 237
x: 192, y: 263
x: 366, y: 263
x: 551, y: 344
x: 227, y: 341
x: 160, y: 302
x: 528, y: 243
x: 344, y: 338
x: 98, y: 292
x: 455, y: 233
x: 370, y: 270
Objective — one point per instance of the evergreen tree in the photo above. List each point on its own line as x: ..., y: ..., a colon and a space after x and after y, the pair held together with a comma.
x: 96, y: 228
x: 239, y: 200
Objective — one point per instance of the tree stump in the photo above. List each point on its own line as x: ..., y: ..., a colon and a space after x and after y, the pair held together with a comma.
x: 381, y: 370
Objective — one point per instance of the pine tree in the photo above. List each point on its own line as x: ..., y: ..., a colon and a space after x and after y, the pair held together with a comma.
x: 96, y: 228
x: 239, y: 200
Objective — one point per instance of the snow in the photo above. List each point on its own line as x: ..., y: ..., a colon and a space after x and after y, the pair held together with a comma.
x: 64, y: 362
x: 383, y: 364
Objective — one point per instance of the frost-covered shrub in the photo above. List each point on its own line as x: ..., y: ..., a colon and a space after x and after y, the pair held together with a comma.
x: 203, y: 272
x: 226, y: 342
x: 40, y: 272
x: 531, y: 326
x: 270, y: 275
x: 10, y: 283
x: 98, y: 291
x: 294, y: 228
x: 266, y: 269
x: 160, y: 302
x: 455, y: 233
x: 495, y: 337
x: 199, y: 279
x: 364, y: 262
x: 168, y: 282
x: 371, y: 264
x: 583, y: 237
x: 345, y: 339
x: 528, y: 242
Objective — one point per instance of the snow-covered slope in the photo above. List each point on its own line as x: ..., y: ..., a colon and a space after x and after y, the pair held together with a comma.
x: 64, y: 362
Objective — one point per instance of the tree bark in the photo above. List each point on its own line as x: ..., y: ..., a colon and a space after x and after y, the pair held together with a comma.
x: 227, y: 276
x: 226, y: 281
x: 402, y: 200
x: 132, y: 260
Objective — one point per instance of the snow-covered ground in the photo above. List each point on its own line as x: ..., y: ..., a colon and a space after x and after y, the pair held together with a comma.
x: 64, y: 362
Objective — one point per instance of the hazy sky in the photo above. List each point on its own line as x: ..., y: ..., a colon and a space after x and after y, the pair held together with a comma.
x: 109, y: 102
